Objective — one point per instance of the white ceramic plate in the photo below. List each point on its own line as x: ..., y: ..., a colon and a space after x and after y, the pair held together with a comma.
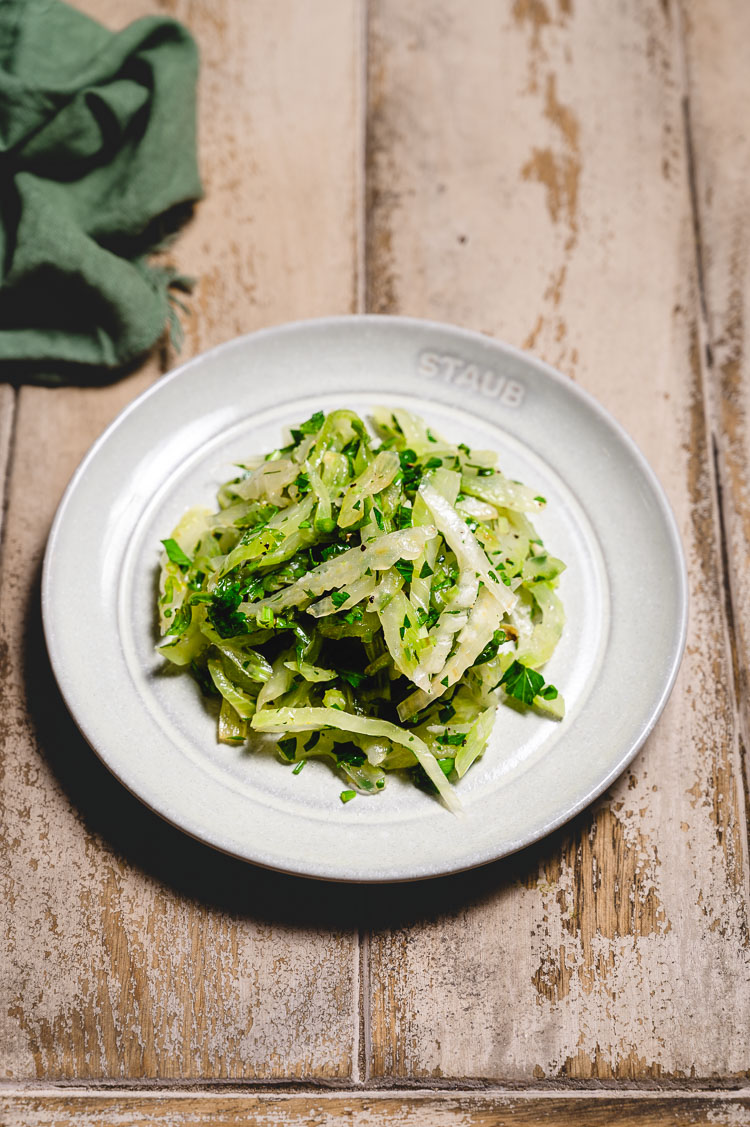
x: 607, y: 517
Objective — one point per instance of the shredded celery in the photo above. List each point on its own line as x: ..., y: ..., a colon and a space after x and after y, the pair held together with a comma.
x: 368, y: 600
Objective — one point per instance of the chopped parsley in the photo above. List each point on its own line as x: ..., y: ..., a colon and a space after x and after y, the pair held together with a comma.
x: 405, y: 568
x: 288, y: 748
x: 455, y: 739
x: 403, y: 517
x: 352, y: 677
x: 524, y: 684
x: 490, y: 650
x: 313, y: 424
x: 222, y: 611
x: 181, y: 620
x: 175, y: 554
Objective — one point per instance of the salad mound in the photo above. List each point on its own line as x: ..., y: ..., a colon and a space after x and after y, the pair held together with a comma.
x: 367, y: 599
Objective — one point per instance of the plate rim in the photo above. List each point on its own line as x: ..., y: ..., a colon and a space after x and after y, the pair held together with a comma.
x: 571, y: 388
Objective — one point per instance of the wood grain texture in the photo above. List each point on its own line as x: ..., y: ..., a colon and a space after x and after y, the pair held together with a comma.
x: 127, y: 949
x: 717, y: 37
x: 527, y: 176
x: 414, y: 1109
x: 280, y: 123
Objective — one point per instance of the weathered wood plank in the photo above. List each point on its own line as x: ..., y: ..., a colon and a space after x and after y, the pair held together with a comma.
x: 129, y: 950
x: 717, y: 35
x: 280, y: 222
x: 539, y: 192
x: 414, y: 1109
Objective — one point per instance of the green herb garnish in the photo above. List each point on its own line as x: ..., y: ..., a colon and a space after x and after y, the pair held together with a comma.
x: 175, y: 553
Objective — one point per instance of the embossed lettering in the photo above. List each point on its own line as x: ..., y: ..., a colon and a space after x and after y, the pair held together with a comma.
x: 468, y: 378
x: 454, y: 370
x: 513, y: 394
x: 427, y: 364
x: 492, y: 384
x: 451, y: 365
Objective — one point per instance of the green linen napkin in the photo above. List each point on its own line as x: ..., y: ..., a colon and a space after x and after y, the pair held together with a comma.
x: 97, y: 165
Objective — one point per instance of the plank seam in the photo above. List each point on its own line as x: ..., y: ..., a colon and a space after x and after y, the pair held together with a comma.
x: 366, y: 1007
x: 727, y: 586
x: 368, y: 160
x: 360, y: 264
x: 694, y: 209
x: 5, y: 484
x: 43, y: 1089
x: 707, y: 363
x: 462, y: 1086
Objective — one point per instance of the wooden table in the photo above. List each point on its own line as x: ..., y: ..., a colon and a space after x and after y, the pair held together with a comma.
x: 566, y: 175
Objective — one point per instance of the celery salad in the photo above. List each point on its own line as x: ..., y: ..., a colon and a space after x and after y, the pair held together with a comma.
x: 369, y: 598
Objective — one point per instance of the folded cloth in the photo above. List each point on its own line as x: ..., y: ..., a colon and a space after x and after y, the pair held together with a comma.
x: 97, y: 164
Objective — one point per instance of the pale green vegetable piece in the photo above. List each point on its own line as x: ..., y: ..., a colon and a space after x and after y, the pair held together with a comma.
x: 312, y: 673
x: 348, y: 596
x: 378, y: 556
x: 379, y: 474
x: 499, y: 490
x: 302, y: 719
x: 469, y: 553
x: 232, y: 728
x: 243, y: 705
x: 476, y: 741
